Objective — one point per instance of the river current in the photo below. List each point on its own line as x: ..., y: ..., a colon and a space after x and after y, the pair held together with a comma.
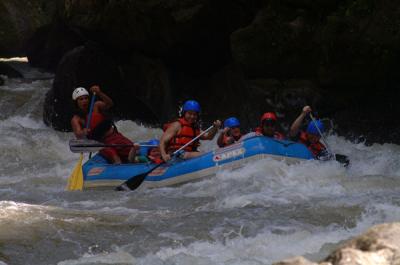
x: 259, y: 214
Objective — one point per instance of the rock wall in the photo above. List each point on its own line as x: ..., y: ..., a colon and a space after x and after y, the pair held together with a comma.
x: 236, y: 57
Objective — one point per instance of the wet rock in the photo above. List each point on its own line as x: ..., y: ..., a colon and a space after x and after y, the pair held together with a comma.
x: 380, y: 245
x: 341, y: 57
x: 18, y: 22
x: 85, y: 66
x: 286, y: 98
x: 49, y: 44
x: 9, y: 71
x: 295, y: 261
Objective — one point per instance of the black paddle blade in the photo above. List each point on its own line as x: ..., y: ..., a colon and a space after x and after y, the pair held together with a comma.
x: 135, y: 181
x: 342, y: 159
x: 132, y: 183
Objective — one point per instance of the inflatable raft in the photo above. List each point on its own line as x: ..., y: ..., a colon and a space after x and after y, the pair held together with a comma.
x: 98, y: 173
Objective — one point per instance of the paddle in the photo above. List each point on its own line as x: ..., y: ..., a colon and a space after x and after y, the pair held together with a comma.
x: 88, y: 145
x: 75, y: 181
x: 135, y: 181
x: 340, y: 158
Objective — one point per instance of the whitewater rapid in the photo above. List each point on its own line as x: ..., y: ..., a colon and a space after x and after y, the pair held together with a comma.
x: 258, y: 214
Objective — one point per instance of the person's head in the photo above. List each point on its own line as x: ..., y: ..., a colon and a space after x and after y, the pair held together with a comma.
x: 268, y: 124
x: 191, y: 110
x: 154, y: 151
x: 81, y: 98
x: 313, y: 131
x: 234, y: 125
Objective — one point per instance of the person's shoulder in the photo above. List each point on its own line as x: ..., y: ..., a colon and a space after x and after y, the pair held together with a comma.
x: 174, y: 125
x: 76, y: 118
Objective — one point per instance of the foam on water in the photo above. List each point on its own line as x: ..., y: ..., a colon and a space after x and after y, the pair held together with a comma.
x: 273, y: 244
x: 265, y: 211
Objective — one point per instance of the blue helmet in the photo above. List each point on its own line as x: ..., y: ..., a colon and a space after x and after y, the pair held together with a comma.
x: 231, y: 122
x: 154, y: 142
x: 313, y: 130
x: 192, y: 105
x: 151, y: 142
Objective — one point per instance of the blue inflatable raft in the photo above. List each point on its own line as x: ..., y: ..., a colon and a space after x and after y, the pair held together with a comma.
x: 98, y: 173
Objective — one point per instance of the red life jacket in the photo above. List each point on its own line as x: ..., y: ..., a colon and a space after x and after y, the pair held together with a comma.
x: 315, y: 148
x: 187, y: 133
x: 277, y: 135
x: 99, y: 126
x: 95, y: 120
x: 155, y: 160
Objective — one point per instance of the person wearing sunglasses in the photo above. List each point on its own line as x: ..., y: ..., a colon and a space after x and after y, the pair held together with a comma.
x: 268, y: 126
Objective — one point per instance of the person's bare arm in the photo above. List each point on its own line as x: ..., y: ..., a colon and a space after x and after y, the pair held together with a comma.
x: 294, y: 129
x: 77, y: 128
x: 211, y: 133
x: 105, y: 103
x: 172, y: 130
x: 220, y: 140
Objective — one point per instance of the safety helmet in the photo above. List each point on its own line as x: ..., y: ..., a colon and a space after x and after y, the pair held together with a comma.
x: 312, y: 129
x: 154, y: 142
x: 231, y: 122
x: 268, y: 116
x: 191, y: 105
x: 78, y: 92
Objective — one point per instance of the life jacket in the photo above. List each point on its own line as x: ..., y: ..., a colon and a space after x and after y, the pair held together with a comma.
x: 155, y: 160
x: 187, y: 133
x: 315, y: 148
x: 225, y: 140
x: 99, y: 126
x: 277, y: 135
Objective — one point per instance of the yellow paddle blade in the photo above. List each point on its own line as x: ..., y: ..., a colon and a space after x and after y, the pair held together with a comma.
x: 75, y: 181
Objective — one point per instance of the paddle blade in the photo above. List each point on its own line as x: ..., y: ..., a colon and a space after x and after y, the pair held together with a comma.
x: 135, y: 181
x: 132, y: 183
x: 342, y: 159
x: 75, y: 181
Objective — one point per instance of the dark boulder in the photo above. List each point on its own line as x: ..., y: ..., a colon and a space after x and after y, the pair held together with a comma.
x: 19, y: 20
x: 49, y: 44
x: 9, y: 71
x: 86, y: 66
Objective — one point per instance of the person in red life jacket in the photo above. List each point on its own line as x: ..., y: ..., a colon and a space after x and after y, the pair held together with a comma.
x: 101, y: 127
x: 268, y: 126
x: 231, y: 132
x: 183, y: 130
x: 311, y: 136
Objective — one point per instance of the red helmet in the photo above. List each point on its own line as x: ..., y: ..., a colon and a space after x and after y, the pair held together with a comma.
x: 268, y: 116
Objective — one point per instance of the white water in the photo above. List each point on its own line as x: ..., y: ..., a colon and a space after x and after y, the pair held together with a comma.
x: 264, y: 212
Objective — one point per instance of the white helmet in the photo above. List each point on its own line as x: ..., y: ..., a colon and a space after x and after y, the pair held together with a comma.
x: 79, y: 91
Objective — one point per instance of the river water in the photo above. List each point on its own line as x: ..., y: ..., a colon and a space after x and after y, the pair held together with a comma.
x: 261, y: 213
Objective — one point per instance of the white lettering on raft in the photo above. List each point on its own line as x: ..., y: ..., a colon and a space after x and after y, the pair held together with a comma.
x: 228, y: 154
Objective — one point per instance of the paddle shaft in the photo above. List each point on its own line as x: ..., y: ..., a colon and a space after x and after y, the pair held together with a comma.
x: 87, y: 147
x: 340, y: 158
x: 320, y: 133
x: 133, y: 182
x: 91, y: 110
x: 191, y: 141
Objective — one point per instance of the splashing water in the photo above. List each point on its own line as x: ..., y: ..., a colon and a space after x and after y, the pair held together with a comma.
x: 263, y: 212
